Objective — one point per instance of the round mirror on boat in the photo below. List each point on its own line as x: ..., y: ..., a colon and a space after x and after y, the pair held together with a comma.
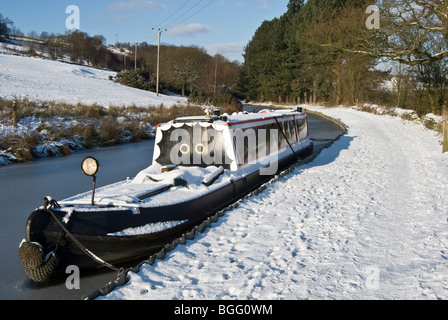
x: 90, y: 166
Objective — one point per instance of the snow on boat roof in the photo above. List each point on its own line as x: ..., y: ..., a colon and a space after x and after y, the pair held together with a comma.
x: 147, y: 188
x: 240, y: 116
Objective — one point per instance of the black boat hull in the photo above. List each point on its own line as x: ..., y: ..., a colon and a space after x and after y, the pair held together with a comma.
x: 91, y: 229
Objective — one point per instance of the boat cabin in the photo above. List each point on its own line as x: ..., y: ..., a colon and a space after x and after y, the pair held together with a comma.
x: 234, y: 142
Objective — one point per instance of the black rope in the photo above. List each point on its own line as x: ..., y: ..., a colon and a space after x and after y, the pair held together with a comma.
x: 53, y: 203
x: 284, y: 135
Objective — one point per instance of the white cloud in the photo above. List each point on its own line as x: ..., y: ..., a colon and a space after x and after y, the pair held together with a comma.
x: 264, y: 4
x: 134, y: 4
x: 188, y: 30
x: 230, y: 50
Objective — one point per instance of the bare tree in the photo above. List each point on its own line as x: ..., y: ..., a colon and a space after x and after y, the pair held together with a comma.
x: 412, y: 32
x: 5, y: 25
x: 186, y: 68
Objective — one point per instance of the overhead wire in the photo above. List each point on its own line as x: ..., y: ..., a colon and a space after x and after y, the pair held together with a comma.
x: 183, y: 14
x: 191, y: 16
x: 153, y: 38
x: 179, y: 19
x: 172, y: 15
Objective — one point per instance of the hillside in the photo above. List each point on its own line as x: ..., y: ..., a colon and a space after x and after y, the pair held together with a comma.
x: 46, y: 80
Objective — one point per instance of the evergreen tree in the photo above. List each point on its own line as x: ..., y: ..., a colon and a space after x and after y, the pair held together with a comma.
x: 294, y: 7
x: 292, y: 58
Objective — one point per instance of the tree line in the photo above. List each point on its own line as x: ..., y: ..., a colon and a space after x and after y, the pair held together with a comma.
x: 192, y: 72
x: 324, y: 51
x: 77, y: 47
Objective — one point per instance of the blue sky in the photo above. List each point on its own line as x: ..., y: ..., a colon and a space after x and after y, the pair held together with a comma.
x: 220, y: 26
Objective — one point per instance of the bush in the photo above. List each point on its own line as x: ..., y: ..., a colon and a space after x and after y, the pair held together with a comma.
x: 163, y: 114
x: 109, y: 131
x: 87, y: 133
x: 22, y: 147
x: 430, y: 123
x: 94, y: 111
x: 138, y: 79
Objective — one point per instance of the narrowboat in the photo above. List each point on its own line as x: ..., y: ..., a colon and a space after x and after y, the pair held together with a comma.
x: 200, y: 166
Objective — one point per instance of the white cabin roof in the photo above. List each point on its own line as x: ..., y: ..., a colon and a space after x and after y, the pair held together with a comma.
x: 241, y: 116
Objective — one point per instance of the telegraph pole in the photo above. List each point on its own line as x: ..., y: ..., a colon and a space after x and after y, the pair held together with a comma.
x: 135, y: 56
x: 158, y: 61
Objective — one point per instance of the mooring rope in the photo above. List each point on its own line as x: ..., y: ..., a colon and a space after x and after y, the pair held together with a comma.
x: 86, y: 251
x: 289, y: 144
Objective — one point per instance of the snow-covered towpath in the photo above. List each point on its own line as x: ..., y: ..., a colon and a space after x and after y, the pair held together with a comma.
x: 367, y: 219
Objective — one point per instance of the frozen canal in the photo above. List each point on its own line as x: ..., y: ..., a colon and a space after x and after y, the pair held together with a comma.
x: 22, y: 188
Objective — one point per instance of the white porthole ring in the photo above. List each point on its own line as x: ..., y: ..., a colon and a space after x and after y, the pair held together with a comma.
x: 184, y: 149
x: 200, y: 146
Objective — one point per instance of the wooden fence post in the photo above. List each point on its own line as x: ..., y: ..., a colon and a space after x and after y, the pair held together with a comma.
x: 14, y: 114
x: 445, y: 137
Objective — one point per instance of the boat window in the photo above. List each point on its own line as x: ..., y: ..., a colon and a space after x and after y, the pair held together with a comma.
x: 246, y: 142
x: 302, y: 128
x: 293, y: 131
x: 281, y: 137
x: 290, y: 133
x: 254, y: 144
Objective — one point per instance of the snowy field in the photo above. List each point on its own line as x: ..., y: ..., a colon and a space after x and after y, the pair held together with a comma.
x: 367, y: 219
x: 46, y: 80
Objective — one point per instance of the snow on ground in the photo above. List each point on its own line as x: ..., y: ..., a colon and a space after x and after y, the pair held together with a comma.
x: 367, y: 219
x: 46, y: 80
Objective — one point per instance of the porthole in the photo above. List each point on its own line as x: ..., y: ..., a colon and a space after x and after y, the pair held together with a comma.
x: 184, y: 149
x: 200, y: 149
